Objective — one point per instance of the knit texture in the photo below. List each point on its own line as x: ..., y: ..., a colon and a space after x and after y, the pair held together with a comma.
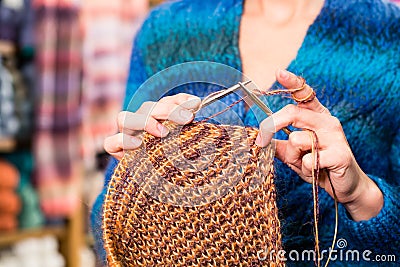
x: 224, y: 187
x: 350, y: 56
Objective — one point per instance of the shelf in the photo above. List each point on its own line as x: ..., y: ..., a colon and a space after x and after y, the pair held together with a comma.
x: 7, y: 239
x: 7, y: 144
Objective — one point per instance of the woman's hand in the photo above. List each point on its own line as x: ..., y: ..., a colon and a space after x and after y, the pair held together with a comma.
x: 175, y: 108
x: 360, y: 195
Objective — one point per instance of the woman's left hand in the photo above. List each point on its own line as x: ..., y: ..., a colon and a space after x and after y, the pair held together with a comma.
x: 360, y: 195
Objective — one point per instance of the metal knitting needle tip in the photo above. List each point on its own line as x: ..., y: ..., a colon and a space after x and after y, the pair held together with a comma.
x: 260, y: 104
x: 224, y: 93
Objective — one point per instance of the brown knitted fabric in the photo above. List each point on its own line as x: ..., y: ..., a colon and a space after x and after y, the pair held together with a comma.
x: 202, y: 196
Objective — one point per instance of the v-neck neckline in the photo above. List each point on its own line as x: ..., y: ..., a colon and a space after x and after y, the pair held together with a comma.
x: 303, y: 48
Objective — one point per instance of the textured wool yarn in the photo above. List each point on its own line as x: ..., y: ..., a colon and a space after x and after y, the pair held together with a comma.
x: 204, y: 195
x: 9, y: 175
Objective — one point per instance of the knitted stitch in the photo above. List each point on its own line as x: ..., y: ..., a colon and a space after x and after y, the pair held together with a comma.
x: 350, y: 56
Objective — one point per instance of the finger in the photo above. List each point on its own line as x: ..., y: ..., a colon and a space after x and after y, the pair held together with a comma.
x: 292, y: 150
x: 184, y: 100
x: 116, y: 144
x: 280, y: 148
x: 335, y: 160
x: 296, y: 116
x: 130, y: 123
x: 280, y: 152
x: 166, y: 111
x: 291, y: 81
x: 298, y: 144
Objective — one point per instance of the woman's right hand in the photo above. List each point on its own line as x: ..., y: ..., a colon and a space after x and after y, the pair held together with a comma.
x: 177, y: 108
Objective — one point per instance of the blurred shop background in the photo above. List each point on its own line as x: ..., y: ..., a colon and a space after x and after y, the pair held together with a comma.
x: 63, y: 68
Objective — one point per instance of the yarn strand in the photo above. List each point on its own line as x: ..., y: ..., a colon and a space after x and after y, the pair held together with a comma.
x: 315, y: 177
x: 336, y: 218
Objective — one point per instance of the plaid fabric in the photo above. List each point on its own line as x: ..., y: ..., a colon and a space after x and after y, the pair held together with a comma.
x: 58, y: 113
x: 108, y: 30
x: 9, y: 124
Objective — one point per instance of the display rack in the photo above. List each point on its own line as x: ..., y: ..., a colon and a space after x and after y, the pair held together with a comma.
x: 7, y: 239
x: 70, y: 237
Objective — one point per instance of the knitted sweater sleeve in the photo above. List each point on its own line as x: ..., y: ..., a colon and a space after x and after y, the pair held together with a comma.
x: 380, y: 234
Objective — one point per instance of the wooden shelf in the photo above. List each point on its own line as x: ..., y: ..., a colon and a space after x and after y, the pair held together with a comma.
x: 70, y: 235
x: 7, y: 239
x: 7, y: 144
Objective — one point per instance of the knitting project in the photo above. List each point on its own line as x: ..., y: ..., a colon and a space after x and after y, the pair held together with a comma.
x: 204, y: 195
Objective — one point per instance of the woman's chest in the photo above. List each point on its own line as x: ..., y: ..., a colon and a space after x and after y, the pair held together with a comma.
x: 265, y: 47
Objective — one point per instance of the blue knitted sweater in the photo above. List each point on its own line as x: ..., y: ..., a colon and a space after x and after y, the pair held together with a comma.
x: 351, y: 57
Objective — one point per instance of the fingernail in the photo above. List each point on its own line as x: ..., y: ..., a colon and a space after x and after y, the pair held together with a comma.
x: 258, y: 140
x: 284, y: 74
x: 194, y: 99
x: 192, y: 102
x: 163, y: 130
x: 136, y: 141
x: 185, y: 114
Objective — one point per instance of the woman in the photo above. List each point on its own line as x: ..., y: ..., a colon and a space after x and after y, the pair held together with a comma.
x: 347, y: 50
